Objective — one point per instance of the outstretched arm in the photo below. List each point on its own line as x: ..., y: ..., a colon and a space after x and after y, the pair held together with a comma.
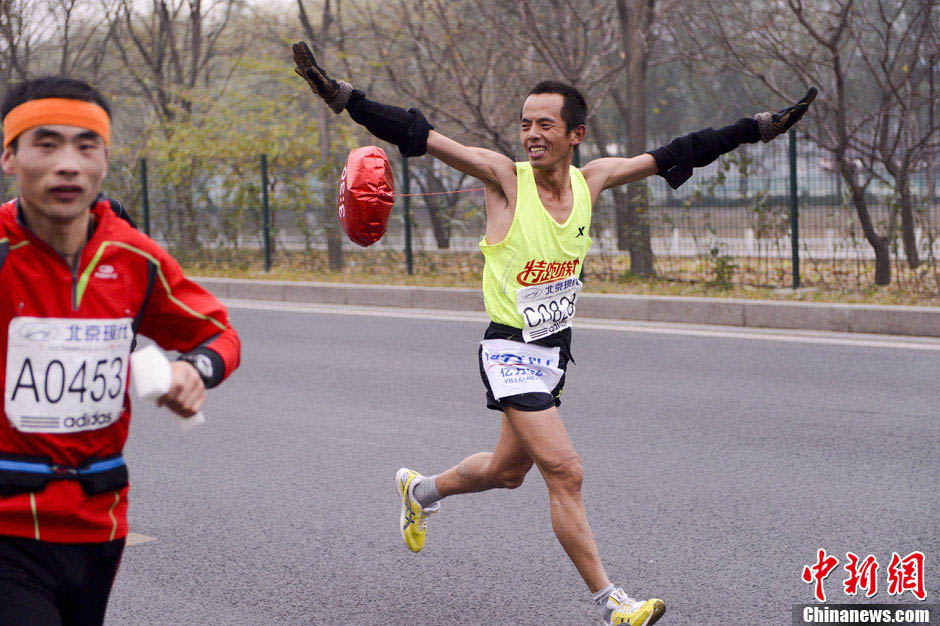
x: 675, y: 160
x: 497, y: 172
x: 492, y: 168
x: 409, y: 130
x: 414, y: 136
x: 601, y: 174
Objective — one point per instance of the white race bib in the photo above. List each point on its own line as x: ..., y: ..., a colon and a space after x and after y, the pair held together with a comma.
x: 513, y: 367
x: 66, y: 375
x: 547, y: 309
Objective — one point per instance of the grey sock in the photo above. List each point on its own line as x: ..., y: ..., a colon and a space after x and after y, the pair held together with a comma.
x: 426, y: 492
x: 600, y: 598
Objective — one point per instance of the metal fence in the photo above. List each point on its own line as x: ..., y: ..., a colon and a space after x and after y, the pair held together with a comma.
x: 732, y: 223
x: 729, y: 225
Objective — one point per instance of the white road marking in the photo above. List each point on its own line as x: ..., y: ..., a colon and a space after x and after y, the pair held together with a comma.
x: 134, y: 539
x: 659, y: 328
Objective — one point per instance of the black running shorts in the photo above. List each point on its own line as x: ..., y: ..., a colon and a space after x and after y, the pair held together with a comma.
x: 527, y: 401
x: 56, y: 584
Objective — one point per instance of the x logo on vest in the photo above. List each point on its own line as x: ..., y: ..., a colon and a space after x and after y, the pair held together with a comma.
x: 580, y: 232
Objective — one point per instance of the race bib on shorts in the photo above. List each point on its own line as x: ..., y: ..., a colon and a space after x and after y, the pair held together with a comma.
x: 513, y: 367
x: 66, y: 375
x: 547, y: 309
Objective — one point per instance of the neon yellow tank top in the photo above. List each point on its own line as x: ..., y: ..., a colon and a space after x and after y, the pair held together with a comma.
x: 537, y: 251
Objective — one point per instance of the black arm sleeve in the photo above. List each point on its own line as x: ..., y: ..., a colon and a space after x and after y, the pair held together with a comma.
x: 676, y: 159
x: 406, y: 129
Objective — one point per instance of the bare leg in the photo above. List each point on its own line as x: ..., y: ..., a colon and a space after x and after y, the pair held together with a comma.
x: 543, y: 436
x: 505, y: 467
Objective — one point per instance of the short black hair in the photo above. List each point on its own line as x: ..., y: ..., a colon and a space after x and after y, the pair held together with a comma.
x: 51, y: 87
x: 573, y: 109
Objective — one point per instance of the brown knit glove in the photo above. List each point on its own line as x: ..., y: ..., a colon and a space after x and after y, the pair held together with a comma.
x: 334, y: 93
x: 774, y: 124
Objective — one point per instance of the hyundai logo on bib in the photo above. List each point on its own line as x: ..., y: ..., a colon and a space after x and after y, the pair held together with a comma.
x: 38, y: 331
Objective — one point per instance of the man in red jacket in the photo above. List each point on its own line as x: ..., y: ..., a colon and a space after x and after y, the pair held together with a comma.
x: 77, y: 284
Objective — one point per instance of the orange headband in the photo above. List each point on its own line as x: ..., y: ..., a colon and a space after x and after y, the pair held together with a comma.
x: 56, y: 111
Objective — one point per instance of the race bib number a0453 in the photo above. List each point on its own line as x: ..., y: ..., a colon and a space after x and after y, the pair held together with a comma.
x: 547, y: 309
x: 513, y: 367
x: 66, y: 375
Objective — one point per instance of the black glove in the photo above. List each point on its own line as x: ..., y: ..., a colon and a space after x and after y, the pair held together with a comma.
x: 334, y: 93
x: 774, y: 124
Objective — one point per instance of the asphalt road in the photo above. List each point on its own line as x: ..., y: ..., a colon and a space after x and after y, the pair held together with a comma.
x: 717, y: 463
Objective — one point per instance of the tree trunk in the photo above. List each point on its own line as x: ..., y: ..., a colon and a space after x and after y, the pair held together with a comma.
x: 634, y: 18
x: 882, y: 261
x: 331, y: 226
x: 633, y: 228
x: 334, y: 238
x: 908, y: 236
x: 188, y: 225
x: 931, y: 183
x: 878, y: 242
x: 438, y: 222
x: 440, y: 207
x: 847, y: 168
x: 621, y: 218
x: 638, y: 228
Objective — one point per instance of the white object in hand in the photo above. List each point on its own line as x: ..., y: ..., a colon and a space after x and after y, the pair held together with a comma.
x: 151, y: 377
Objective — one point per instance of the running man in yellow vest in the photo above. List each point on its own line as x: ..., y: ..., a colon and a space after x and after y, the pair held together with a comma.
x: 538, y: 215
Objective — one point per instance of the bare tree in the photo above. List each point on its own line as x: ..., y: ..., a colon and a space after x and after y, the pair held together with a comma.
x: 637, y: 19
x: 905, y: 40
x: 81, y: 38
x: 324, y: 40
x: 21, y: 33
x: 785, y: 47
x: 20, y: 36
x: 444, y: 57
x: 440, y: 201
x: 172, y: 51
x: 171, y: 48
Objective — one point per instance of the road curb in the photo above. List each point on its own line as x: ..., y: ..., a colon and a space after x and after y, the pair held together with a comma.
x: 858, y: 318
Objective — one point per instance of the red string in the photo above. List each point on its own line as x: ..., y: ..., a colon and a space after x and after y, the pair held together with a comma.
x: 436, y: 193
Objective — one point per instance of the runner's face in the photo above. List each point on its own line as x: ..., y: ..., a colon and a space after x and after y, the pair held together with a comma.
x: 542, y: 130
x: 58, y: 169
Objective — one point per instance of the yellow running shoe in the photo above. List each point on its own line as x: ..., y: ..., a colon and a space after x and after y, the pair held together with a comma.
x: 622, y: 609
x: 414, y: 518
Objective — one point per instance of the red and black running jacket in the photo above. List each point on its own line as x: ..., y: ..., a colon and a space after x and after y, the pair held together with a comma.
x: 122, y: 274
